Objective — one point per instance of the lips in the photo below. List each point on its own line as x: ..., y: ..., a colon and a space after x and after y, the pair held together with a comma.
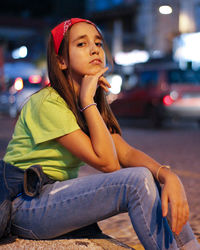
x: 96, y: 61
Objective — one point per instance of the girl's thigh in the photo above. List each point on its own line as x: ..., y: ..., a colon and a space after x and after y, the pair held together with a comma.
x: 65, y: 206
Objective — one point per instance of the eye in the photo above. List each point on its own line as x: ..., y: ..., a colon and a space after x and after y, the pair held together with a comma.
x: 99, y: 44
x: 81, y: 44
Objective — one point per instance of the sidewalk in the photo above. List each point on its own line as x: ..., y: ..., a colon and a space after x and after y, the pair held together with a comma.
x: 90, y: 238
x: 73, y: 244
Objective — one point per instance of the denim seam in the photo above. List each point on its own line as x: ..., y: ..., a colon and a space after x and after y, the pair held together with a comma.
x: 61, y: 201
x: 144, y: 217
x: 179, y: 240
x: 75, y: 197
x: 4, y: 177
x: 27, y: 230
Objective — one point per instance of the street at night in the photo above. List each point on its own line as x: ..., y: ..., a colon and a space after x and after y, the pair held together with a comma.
x: 177, y: 144
x: 137, y: 58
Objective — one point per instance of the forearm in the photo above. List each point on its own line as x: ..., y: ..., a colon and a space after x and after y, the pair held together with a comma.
x: 172, y: 191
x: 131, y: 157
x: 100, y: 137
x: 101, y: 140
x: 137, y: 158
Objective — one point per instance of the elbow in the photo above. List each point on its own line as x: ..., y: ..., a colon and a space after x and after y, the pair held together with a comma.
x: 106, y: 164
x: 111, y: 167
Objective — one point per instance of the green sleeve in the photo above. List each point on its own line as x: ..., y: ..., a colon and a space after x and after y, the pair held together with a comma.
x: 50, y: 118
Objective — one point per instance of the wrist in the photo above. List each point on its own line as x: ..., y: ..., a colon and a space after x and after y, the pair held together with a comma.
x: 162, y: 173
x: 85, y: 103
x: 89, y: 105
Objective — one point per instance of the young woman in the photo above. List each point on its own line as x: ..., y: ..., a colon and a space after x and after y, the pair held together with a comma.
x: 70, y: 122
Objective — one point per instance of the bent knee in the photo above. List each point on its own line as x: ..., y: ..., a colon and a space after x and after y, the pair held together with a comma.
x: 145, y: 173
x: 140, y: 173
x: 141, y: 181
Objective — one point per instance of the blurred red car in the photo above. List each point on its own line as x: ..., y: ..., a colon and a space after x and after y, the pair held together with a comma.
x: 161, y: 92
x: 18, y: 93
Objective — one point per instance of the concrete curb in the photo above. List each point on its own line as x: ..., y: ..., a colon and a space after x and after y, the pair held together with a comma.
x: 89, y: 237
x: 71, y: 244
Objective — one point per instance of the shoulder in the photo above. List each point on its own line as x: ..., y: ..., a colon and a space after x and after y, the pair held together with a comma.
x: 47, y: 93
x: 47, y: 116
x: 46, y: 97
x: 46, y: 102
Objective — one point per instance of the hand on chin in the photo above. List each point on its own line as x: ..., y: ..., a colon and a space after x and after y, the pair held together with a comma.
x: 94, y: 70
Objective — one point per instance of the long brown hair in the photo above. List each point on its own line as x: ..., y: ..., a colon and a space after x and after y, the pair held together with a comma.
x: 61, y: 81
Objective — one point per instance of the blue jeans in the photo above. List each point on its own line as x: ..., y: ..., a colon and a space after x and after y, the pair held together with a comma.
x: 66, y: 206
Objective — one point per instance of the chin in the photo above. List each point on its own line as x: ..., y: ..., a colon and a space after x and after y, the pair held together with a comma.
x: 94, y: 70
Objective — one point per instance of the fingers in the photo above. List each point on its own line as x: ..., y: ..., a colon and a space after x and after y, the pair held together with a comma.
x: 180, y: 216
x: 174, y: 217
x: 101, y: 72
x: 103, y: 83
x: 164, y: 203
x: 89, y: 85
x: 98, y: 75
x: 98, y: 79
x: 178, y: 203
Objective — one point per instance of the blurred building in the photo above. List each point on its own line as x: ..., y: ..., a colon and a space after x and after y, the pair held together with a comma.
x: 196, y: 11
x: 117, y: 19
x: 24, y: 29
x: 138, y: 24
x: 128, y: 25
x: 28, y: 22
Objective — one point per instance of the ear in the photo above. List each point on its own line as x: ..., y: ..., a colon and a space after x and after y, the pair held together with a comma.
x: 61, y: 63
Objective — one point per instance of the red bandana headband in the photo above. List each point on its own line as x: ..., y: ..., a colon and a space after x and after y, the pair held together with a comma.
x: 59, y: 31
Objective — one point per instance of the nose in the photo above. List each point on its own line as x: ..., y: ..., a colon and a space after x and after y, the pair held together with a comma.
x: 94, y: 49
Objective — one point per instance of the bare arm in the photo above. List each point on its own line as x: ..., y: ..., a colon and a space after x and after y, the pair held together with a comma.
x: 98, y: 150
x: 80, y: 145
x: 131, y: 157
x: 173, y: 190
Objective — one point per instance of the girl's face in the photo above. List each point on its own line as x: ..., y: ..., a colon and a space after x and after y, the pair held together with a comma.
x: 86, y: 54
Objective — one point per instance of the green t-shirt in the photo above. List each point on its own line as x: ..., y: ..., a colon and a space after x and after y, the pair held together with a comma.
x: 44, y: 117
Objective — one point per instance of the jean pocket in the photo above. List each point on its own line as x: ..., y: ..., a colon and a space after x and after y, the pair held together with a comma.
x: 23, y: 232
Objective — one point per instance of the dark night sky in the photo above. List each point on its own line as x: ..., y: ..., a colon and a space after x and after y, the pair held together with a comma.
x: 34, y: 8
x: 35, y: 16
x: 42, y: 8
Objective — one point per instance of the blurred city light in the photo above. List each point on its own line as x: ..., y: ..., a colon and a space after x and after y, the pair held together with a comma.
x: 35, y: 79
x: 174, y: 95
x: 186, y: 47
x: 115, y: 82
x: 167, y: 100
x: 18, y: 84
x: 20, y: 52
x: 165, y: 9
x: 130, y: 58
x: 188, y: 17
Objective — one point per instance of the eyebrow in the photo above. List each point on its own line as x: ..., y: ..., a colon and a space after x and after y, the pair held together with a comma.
x: 85, y: 36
